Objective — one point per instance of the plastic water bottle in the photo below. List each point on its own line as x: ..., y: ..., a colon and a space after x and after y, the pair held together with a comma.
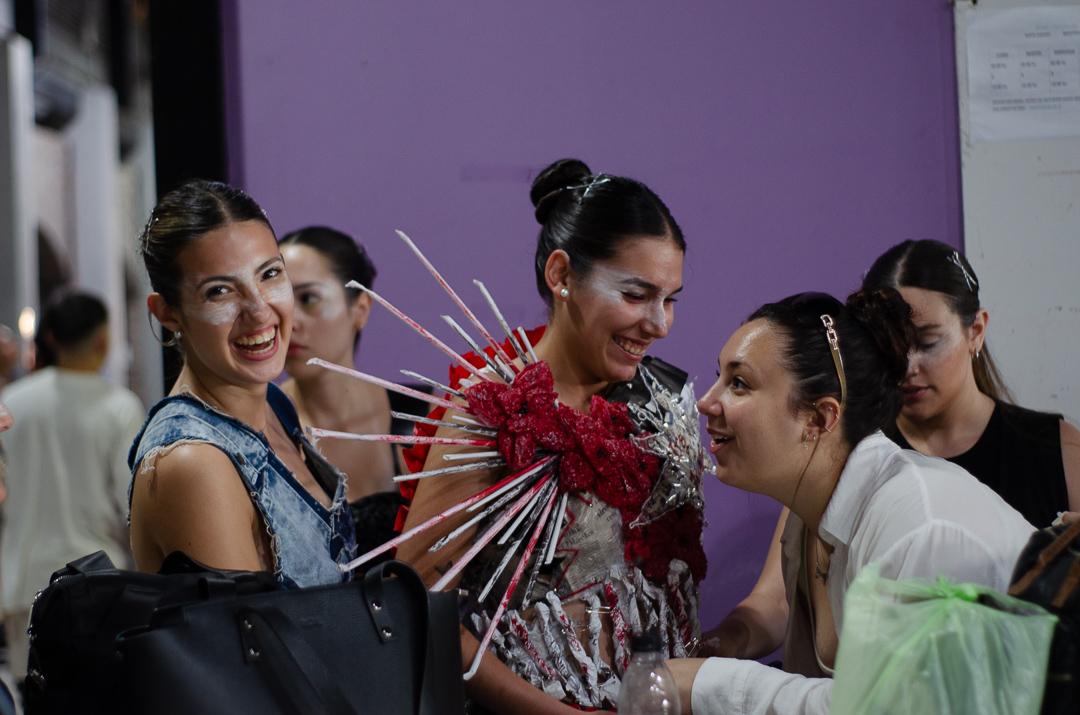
x: 648, y: 688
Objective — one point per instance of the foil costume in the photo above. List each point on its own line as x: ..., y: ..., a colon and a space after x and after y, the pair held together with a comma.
x: 593, y: 531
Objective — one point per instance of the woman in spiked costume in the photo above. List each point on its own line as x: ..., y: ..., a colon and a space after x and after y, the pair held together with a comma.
x: 559, y: 482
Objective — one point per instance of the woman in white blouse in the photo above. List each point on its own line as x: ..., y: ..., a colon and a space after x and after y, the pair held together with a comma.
x: 804, y: 387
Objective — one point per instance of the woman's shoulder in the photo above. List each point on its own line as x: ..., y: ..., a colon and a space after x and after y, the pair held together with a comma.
x: 163, y: 421
x: 183, y: 470
x: 1024, y: 423
x: 1015, y: 412
x: 185, y: 419
x: 192, y: 461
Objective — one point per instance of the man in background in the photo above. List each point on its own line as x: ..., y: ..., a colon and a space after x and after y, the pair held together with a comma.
x: 67, y: 475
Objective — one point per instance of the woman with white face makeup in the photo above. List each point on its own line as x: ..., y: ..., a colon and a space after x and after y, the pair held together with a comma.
x: 221, y: 469
x: 804, y: 389
x: 955, y: 403
x: 609, y: 267
x: 327, y: 323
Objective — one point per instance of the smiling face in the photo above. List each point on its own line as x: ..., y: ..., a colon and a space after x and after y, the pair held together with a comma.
x: 756, y: 434
x: 939, y: 368
x: 236, y: 304
x: 623, y: 305
x: 326, y: 321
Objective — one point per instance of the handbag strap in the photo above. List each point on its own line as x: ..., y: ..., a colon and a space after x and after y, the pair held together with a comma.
x: 373, y: 595
x: 1068, y: 586
x: 296, y: 673
x: 1048, y: 554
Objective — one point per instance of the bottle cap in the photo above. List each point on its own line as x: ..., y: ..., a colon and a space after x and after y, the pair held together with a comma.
x: 647, y: 642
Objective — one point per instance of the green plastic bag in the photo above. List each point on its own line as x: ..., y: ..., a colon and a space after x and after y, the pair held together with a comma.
x: 916, y: 647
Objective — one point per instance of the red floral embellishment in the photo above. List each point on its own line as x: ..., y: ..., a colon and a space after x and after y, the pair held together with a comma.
x: 525, y: 413
x: 596, y: 452
x: 675, y: 535
x: 595, y: 455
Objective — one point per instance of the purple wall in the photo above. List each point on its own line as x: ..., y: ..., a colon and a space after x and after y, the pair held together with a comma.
x: 793, y: 141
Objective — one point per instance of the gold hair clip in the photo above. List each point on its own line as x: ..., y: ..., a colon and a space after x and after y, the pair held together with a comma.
x: 838, y: 361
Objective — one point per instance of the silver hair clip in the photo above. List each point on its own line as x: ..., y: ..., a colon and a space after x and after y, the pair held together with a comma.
x: 149, y: 223
x: 597, y: 180
x: 972, y: 283
x: 593, y: 182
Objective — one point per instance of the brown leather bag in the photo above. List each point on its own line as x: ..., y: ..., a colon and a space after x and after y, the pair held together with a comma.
x: 1048, y: 574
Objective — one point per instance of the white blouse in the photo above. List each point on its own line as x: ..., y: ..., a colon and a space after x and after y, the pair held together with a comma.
x: 916, y: 516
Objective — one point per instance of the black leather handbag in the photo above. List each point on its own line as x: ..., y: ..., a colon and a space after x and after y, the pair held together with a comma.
x: 379, y: 644
x: 74, y: 622
x: 1048, y: 573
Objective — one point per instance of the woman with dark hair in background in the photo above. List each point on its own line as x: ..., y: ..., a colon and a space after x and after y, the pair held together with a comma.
x: 955, y: 402
x: 804, y: 388
x: 327, y: 324
x: 222, y: 470
x: 66, y: 473
x: 609, y: 266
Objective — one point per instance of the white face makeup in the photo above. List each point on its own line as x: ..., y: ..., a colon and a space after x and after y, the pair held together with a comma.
x: 236, y: 304
x: 616, y: 311
x: 219, y: 299
x: 621, y: 287
x: 935, y: 344
x: 939, y: 366
x: 323, y: 301
x: 326, y: 320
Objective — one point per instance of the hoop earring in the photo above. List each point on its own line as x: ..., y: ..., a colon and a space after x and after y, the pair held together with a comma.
x: 173, y: 340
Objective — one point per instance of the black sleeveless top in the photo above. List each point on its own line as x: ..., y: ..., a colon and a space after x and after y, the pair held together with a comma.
x: 1019, y: 457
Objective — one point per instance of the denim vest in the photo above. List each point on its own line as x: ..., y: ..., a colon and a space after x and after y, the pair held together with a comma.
x: 308, y: 540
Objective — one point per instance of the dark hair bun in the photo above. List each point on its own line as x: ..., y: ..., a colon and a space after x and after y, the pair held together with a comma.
x: 549, y: 182
x: 887, y: 318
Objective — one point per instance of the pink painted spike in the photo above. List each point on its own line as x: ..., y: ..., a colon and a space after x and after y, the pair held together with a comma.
x: 440, y: 517
x: 400, y: 438
x: 386, y: 384
x: 518, y: 570
x: 490, y: 534
x: 454, y: 296
x: 424, y: 332
x: 439, y: 344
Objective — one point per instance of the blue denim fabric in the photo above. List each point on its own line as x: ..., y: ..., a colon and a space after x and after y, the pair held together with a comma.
x: 309, y: 541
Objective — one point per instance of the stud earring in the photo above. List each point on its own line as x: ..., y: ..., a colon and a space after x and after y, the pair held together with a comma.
x: 564, y: 292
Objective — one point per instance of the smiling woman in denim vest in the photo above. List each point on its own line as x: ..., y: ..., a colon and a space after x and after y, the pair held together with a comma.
x: 221, y: 469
